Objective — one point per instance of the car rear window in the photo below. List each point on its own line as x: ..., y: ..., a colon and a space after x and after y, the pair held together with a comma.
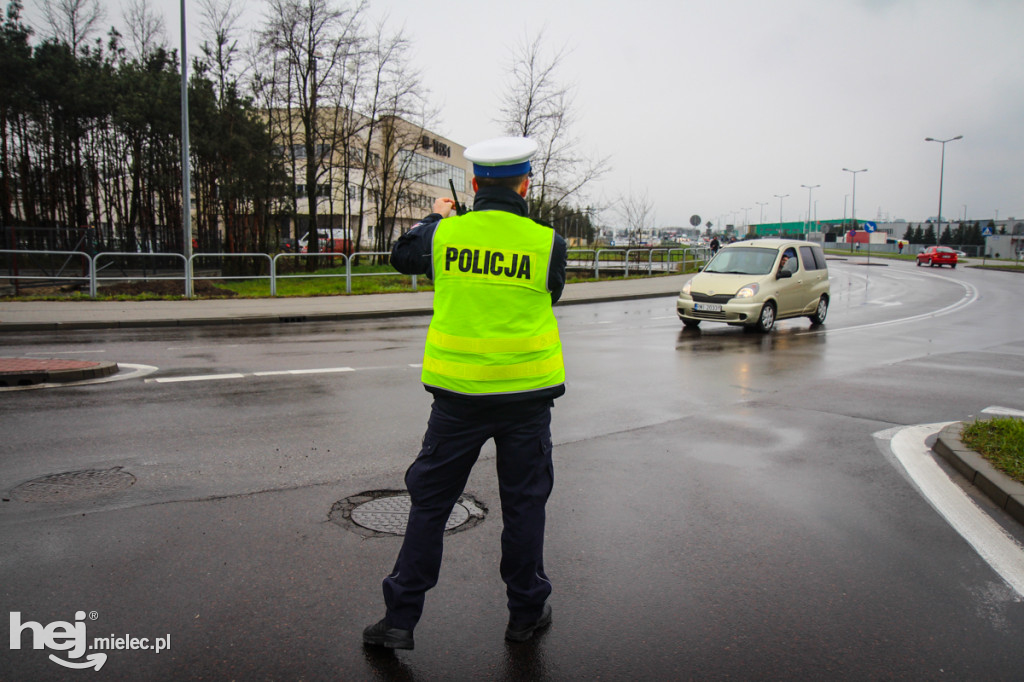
x: 813, y: 259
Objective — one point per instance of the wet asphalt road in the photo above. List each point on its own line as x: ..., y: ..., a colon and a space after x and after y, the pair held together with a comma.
x: 722, y: 505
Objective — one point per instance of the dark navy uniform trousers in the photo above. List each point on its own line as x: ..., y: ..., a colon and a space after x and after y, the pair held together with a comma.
x: 456, y: 431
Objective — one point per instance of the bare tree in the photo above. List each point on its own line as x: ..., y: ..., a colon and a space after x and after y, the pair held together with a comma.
x: 538, y: 105
x: 308, y: 40
x: 219, y: 26
x: 146, y: 29
x: 73, y: 21
x: 397, y: 111
x: 637, y: 213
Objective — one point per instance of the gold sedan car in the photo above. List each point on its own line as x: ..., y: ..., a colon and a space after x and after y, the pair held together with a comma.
x: 754, y: 283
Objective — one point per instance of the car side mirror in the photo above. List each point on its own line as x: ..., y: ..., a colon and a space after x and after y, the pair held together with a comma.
x: 783, y: 274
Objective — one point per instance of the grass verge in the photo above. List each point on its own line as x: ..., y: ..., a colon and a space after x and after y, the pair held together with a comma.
x: 1001, y: 442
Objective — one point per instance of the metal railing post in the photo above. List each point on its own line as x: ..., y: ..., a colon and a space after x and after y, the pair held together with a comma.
x: 273, y: 276
x: 92, y: 275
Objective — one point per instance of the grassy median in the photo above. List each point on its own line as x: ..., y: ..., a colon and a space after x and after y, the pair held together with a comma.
x: 1001, y: 442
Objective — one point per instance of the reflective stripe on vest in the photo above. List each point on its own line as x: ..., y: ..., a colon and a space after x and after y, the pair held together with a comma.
x: 521, y: 370
x: 471, y: 345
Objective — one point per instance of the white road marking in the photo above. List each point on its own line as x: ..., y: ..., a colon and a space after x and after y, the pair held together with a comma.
x: 240, y: 375
x: 325, y: 370
x: 970, y: 369
x: 193, y: 348
x: 970, y: 296
x: 1003, y: 411
x: 198, y: 377
x: 1000, y: 550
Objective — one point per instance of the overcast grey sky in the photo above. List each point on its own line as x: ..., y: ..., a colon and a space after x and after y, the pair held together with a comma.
x: 711, y: 106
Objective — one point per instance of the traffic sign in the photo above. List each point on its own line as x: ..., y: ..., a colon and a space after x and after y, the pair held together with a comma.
x: 870, y: 226
x: 695, y: 220
x: 986, y: 231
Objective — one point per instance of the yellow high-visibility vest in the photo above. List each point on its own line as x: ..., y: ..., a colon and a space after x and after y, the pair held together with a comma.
x: 493, y: 330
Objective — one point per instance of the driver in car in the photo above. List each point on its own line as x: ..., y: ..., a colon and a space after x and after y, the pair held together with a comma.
x: 788, y: 261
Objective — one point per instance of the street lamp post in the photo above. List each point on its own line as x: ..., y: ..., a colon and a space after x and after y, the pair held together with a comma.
x: 942, y: 170
x: 186, y: 180
x: 810, y: 190
x: 780, y: 197
x: 762, y: 204
x: 853, y: 200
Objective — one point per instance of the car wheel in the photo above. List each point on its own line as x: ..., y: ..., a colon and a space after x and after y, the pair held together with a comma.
x: 919, y: 263
x: 691, y: 324
x: 766, y: 320
x: 953, y: 265
x: 820, y: 312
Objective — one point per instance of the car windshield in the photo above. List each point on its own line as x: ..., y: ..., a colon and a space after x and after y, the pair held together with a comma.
x: 743, y: 261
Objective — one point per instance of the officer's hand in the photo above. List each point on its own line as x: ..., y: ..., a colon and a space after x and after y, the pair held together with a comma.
x: 444, y: 206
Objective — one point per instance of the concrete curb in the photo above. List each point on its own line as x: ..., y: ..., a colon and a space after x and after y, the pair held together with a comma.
x: 1007, y: 493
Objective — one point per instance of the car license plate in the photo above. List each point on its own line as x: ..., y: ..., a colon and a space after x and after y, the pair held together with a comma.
x: 708, y: 307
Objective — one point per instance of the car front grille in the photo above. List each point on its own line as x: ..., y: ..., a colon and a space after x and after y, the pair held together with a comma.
x: 717, y: 298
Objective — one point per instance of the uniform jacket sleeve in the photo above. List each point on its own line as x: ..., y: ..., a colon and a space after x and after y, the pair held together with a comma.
x: 411, y: 254
x: 556, y: 273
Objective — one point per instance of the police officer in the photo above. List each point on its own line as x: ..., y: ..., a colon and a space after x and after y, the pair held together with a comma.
x: 493, y: 362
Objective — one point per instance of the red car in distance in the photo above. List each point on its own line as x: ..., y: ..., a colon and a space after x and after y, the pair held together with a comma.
x: 937, y: 255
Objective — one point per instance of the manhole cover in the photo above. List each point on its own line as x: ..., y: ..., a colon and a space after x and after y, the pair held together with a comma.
x: 386, y: 512
x: 73, y: 485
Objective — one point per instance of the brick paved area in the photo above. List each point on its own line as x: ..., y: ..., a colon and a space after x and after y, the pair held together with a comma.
x: 21, y: 365
x: 16, y: 372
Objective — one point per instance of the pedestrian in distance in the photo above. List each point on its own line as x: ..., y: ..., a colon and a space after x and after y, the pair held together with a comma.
x: 493, y: 363
x: 714, y: 245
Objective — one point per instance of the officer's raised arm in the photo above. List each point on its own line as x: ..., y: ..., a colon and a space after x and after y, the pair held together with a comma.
x: 410, y: 254
x: 443, y: 206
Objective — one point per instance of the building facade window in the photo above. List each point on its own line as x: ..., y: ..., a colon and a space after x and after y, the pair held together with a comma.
x: 434, y: 172
x: 322, y: 190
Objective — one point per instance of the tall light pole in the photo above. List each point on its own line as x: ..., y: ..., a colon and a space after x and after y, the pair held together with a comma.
x: 853, y: 201
x: 186, y: 181
x: 810, y: 190
x: 762, y: 204
x: 942, y: 170
x: 780, y: 197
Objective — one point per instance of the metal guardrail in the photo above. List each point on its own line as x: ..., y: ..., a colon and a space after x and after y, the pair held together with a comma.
x: 621, y: 259
x: 95, y: 264
x: 62, y: 278
x: 609, y: 259
x: 96, y: 259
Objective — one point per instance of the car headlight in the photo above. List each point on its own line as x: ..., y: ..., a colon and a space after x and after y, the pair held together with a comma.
x: 748, y: 291
x: 686, y: 288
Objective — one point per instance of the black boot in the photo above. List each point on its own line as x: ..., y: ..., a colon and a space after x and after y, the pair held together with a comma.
x: 521, y: 632
x: 381, y: 634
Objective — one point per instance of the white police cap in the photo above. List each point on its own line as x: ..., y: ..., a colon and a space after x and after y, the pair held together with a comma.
x: 501, y: 157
